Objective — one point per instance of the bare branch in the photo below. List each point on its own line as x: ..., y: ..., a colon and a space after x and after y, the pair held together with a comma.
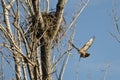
x: 23, y: 37
x: 114, y: 36
x: 5, y: 58
x: 25, y: 8
x: 10, y: 4
x: 59, y: 11
x: 48, y: 5
x: 15, y: 46
x: 116, y: 21
x: 105, y: 71
x: 24, y: 66
x: 67, y: 56
x: 55, y: 64
x: 7, y: 35
x: 76, y: 16
x: 2, y: 68
x: 74, y: 20
x: 6, y: 16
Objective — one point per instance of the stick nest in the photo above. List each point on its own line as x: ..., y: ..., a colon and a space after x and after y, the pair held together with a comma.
x: 50, y: 21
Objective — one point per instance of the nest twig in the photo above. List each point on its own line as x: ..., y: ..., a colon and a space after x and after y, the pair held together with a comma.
x: 50, y: 23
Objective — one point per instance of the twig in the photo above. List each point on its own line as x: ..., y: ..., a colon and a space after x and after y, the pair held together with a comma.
x: 5, y: 58
x: 114, y: 36
x: 67, y: 56
x: 76, y: 17
x: 105, y: 71
x: 61, y: 57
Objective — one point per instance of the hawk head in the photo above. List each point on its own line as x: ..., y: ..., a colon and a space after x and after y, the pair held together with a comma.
x: 84, y: 55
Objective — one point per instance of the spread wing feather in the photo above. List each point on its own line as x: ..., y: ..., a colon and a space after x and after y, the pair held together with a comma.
x: 88, y: 44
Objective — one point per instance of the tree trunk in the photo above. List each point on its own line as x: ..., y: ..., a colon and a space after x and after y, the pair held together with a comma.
x: 46, y: 59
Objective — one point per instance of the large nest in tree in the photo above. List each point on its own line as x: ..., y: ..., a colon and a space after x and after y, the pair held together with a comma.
x: 50, y: 21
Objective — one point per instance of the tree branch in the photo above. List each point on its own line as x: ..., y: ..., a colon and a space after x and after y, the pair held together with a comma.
x: 14, y: 46
x: 6, y: 17
x: 76, y: 16
x: 59, y: 12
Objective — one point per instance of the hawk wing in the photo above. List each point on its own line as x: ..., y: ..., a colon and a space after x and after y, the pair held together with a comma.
x: 88, y: 44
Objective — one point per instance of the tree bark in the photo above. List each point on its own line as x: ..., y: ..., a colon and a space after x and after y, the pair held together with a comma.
x: 17, y: 66
x: 46, y: 59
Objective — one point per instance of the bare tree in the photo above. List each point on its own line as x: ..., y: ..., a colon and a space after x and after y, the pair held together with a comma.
x: 116, y: 20
x: 30, y: 35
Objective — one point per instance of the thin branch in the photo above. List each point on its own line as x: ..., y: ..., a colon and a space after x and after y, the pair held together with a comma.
x: 76, y: 17
x: 67, y: 56
x: 19, y: 51
x: 15, y: 46
x: 64, y: 65
x: 74, y: 20
x: 10, y: 4
x: 59, y: 11
x: 24, y: 57
x: 28, y: 3
x: 23, y: 37
x: 6, y: 16
x: 61, y: 57
x: 116, y: 23
x: 24, y: 66
x: 114, y: 36
x: 115, y: 15
x: 7, y: 35
x: 5, y: 58
x: 2, y: 67
x: 105, y: 71
x: 47, y: 6
x: 25, y: 8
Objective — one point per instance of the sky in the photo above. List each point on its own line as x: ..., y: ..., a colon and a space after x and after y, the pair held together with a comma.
x: 96, y: 20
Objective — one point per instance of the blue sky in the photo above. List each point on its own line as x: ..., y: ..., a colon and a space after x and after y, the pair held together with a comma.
x: 96, y: 20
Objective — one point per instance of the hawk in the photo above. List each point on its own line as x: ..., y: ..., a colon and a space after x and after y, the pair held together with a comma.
x: 83, y: 51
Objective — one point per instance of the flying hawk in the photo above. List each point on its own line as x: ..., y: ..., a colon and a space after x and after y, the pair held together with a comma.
x: 83, y: 51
